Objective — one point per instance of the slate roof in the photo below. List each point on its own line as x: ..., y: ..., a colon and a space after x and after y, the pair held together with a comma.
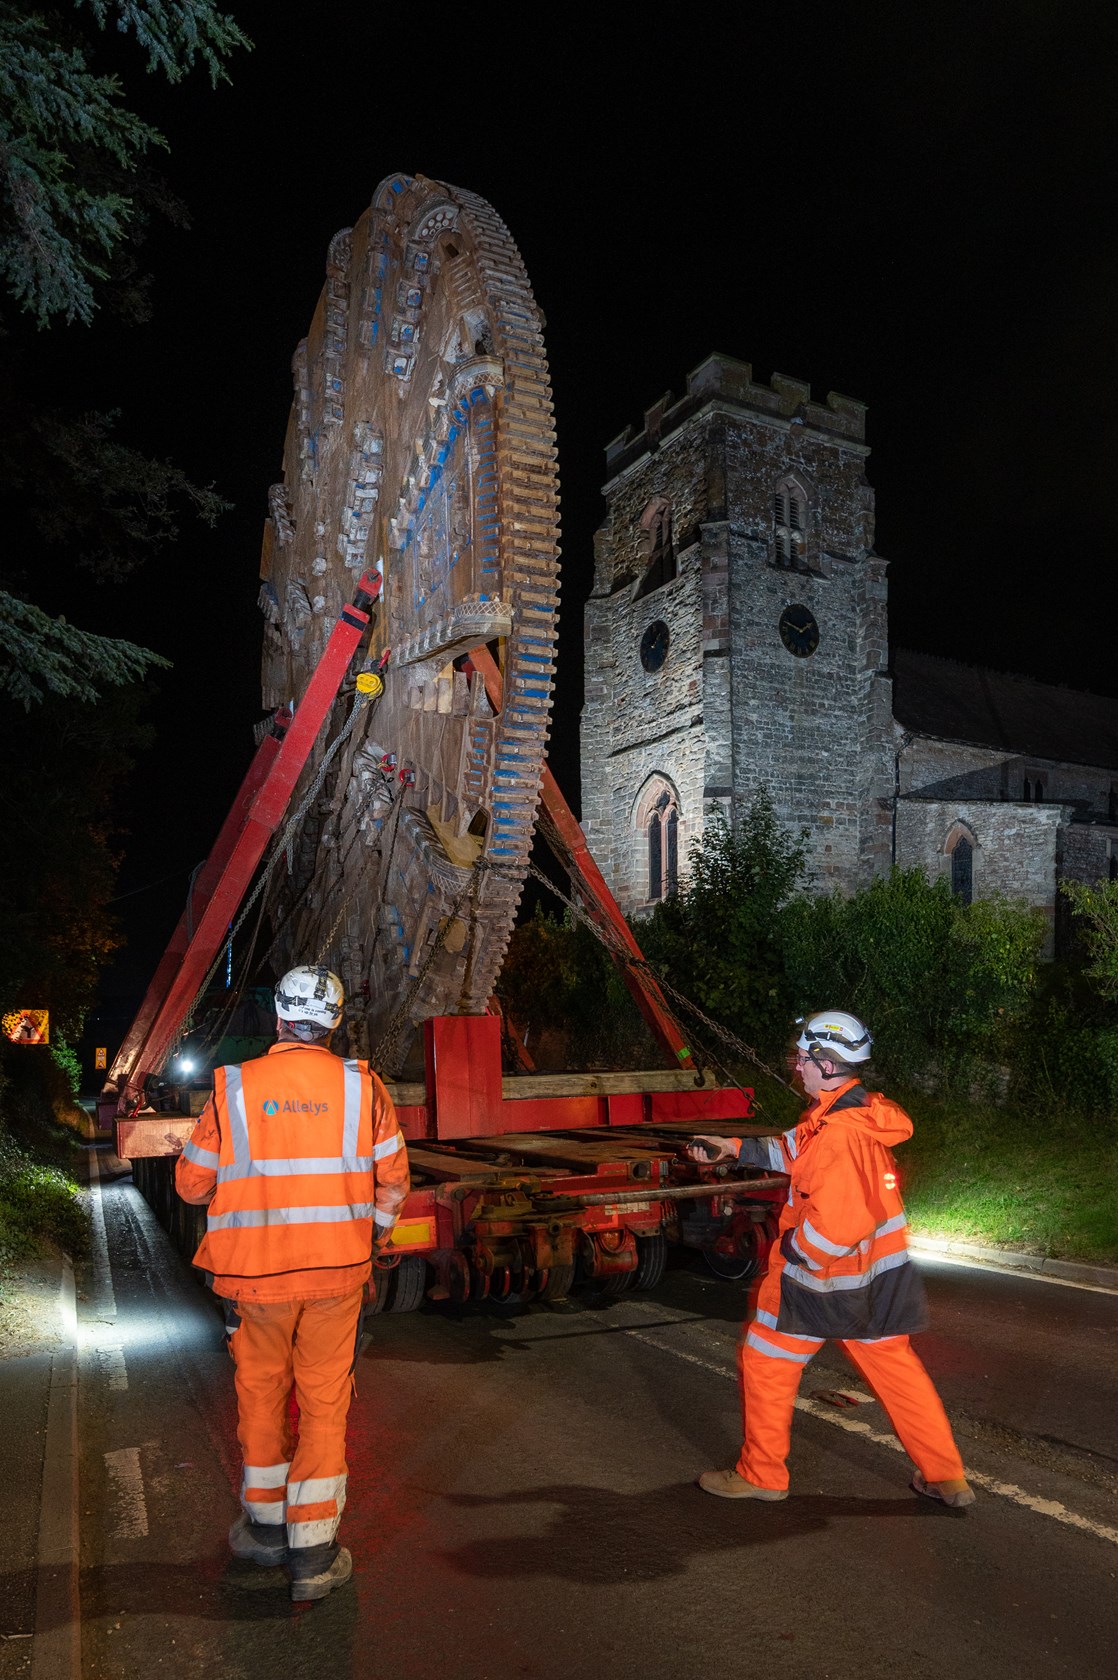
x: 993, y: 709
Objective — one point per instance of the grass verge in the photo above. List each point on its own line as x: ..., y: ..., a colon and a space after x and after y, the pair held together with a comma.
x: 39, y: 1202
x: 1039, y: 1182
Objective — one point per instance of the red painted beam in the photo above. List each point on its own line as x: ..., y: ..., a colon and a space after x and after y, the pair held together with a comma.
x: 234, y: 859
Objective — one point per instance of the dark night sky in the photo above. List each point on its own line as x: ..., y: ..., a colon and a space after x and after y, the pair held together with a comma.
x: 911, y: 205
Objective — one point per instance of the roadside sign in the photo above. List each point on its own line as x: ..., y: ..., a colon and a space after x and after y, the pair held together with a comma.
x: 27, y: 1026
x: 101, y: 1057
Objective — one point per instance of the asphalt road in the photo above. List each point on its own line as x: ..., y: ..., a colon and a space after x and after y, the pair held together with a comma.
x: 522, y: 1502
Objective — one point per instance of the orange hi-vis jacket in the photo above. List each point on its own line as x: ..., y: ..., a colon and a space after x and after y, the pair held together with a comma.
x: 841, y: 1261
x: 300, y: 1158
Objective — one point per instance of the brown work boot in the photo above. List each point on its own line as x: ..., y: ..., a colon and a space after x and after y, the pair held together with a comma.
x: 727, y: 1484
x: 309, y: 1587
x: 957, y: 1495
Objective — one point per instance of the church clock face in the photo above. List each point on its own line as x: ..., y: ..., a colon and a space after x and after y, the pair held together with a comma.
x: 654, y: 645
x: 799, y: 631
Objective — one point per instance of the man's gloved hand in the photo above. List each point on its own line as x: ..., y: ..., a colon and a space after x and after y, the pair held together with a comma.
x: 710, y: 1150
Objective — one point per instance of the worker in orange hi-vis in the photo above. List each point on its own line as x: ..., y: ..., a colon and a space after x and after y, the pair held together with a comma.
x: 303, y: 1167
x: 839, y: 1270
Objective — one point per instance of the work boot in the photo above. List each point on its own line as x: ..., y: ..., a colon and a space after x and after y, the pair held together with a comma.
x: 304, y: 1587
x: 263, y: 1543
x: 956, y: 1494
x: 727, y: 1484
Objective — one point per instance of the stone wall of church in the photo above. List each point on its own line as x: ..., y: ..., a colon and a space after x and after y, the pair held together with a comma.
x: 956, y: 770
x: 639, y: 725
x: 1017, y: 847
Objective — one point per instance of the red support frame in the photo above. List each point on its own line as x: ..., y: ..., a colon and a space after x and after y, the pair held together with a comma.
x: 224, y: 879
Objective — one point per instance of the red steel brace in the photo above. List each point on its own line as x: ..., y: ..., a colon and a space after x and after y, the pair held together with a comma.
x: 225, y: 877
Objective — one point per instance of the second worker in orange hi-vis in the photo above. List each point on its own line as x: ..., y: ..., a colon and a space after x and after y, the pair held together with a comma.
x: 839, y: 1270
x: 303, y: 1169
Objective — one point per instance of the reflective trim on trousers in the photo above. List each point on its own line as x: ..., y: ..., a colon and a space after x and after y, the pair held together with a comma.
x: 390, y: 1146
x: 294, y: 1166
x: 242, y: 1219
x: 762, y: 1317
x: 319, y: 1533
x: 202, y: 1157
x: 352, y: 1121
x: 771, y: 1350
x: 238, y: 1119
x: 265, y: 1475
x: 313, y: 1490
x: 850, y: 1280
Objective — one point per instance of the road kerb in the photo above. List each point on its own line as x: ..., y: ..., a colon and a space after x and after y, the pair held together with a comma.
x: 1037, y: 1265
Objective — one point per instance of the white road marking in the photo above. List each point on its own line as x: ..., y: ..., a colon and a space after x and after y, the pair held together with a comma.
x: 110, y: 1357
x: 855, y: 1426
x: 102, y: 1269
x: 126, y: 1487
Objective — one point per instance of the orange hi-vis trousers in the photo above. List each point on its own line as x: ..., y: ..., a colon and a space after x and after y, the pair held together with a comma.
x: 309, y: 1345
x: 771, y: 1363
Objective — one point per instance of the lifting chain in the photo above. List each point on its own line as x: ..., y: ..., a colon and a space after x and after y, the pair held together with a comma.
x: 621, y: 954
x: 360, y: 701
x: 382, y: 1055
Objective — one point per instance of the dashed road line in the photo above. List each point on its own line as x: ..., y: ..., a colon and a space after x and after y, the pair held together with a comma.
x: 126, y: 1486
x: 856, y: 1426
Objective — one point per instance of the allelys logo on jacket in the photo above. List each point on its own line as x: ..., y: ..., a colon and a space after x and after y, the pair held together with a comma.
x: 271, y: 1106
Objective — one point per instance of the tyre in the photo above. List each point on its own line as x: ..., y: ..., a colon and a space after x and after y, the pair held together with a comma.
x: 739, y: 1267
x: 652, y: 1257
x: 409, y: 1282
x: 559, y: 1280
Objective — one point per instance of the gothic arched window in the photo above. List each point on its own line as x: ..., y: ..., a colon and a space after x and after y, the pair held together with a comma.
x: 657, y: 546
x: 960, y: 847
x: 790, y: 525
x: 657, y: 821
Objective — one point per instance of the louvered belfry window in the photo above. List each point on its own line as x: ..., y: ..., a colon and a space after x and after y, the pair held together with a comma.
x: 789, y: 526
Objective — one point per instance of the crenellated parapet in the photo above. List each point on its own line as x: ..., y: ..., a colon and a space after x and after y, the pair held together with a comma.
x: 725, y: 380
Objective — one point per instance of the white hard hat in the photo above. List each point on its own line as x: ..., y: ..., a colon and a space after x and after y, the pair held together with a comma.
x: 836, y: 1033
x: 308, y: 994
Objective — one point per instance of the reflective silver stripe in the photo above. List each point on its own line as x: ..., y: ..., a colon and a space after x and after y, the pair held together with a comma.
x: 816, y: 1265
x: 311, y: 1533
x: 384, y: 1219
x: 314, y: 1489
x: 202, y: 1157
x: 352, y: 1071
x: 774, y: 1352
x: 872, y: 1341
x: 390, y: 1146
x: 822, y: 1243
x: 265, y: 1475
x: 293, y: 1166
x: 853, y: 1280
x: 790, y: 1143
x: 763, y: 1317
x: 238, y: 1119
x: 897, y: 1223
x: 250, y: 1218
x: 776, y: 1155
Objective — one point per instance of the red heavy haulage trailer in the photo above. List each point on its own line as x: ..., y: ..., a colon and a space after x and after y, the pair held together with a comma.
x: 518, y: 1182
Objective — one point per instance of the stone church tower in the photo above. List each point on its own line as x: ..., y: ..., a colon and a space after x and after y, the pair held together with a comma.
x: 736, y: 634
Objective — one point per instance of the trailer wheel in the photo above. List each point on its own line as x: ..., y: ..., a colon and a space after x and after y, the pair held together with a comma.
x: 652, y: 1257
x: 408, y: 1284
x: 739, y: 1267
x: 613, y: 1285
x: 557, y: 1281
